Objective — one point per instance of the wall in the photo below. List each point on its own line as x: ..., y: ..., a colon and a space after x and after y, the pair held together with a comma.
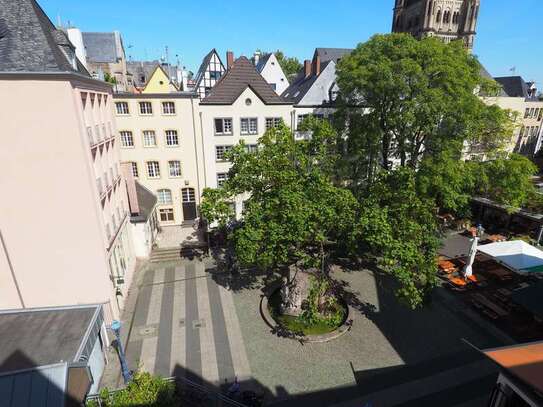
x: 51, y: 219
x: 183, y: 122
x: 236, y: 111
x: 273, y: 74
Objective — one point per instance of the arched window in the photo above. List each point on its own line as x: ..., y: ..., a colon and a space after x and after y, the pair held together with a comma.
x: 164, y: 197
x: 430, y: 4
x: 438, y: 16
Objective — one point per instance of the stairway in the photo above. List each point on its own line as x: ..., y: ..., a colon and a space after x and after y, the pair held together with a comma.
x: 176, y: 253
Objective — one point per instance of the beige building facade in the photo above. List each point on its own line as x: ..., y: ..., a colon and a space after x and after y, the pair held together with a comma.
x: 158, y: 138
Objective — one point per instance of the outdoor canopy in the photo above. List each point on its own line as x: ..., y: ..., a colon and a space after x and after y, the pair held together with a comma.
x: 516, y: 254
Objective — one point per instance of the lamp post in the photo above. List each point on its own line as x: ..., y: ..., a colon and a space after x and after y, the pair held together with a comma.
x: 116, y: 328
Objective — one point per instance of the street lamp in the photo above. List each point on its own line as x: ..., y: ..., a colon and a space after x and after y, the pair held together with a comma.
x: 116, y: 328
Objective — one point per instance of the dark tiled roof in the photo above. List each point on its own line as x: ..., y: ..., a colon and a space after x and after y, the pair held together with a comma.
x: 301, y: 85
x: 146, y: 202
x: 239, y: 77
x: 29, y: 42
x: 514, y: 86
x: 100, y: 47
x: 332, y: 54
x: 485, y: 74
x: 139, y: 69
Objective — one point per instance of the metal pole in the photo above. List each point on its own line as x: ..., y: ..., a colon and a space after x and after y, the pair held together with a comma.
x: 116, y: 328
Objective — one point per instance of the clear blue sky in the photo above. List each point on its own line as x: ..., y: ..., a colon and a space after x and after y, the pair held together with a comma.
x: 508, y: 35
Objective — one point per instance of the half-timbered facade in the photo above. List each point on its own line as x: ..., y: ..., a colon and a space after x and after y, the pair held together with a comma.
x: 209, y: 73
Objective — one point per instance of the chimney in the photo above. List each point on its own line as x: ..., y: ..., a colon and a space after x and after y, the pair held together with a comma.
x: 256, y: 57
x: 307, y: 68
x: 229, y: 59
x: 317, y: 65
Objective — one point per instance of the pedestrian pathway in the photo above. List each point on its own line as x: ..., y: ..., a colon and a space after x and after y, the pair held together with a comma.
x: 185, y: 324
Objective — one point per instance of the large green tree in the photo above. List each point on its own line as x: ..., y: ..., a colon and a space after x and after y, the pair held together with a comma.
x: 293, y: 211
x: 402, y: 100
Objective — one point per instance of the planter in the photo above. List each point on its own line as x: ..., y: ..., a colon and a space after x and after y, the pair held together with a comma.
x: 280, y: 329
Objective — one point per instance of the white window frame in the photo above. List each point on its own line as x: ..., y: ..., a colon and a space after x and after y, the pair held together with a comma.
x: 174, y: 134
x: 223, y: 133
x: 221, y: 178
x: 164, y: 196
x: 249, y: 122
x: 177, y: 173
x: 141, y: 109
x: 168, y: 103
x: 151, y: 168
x: 125, y: 136
x: 123, y: 111
x: 149, y: 135
x: 251, y: 148
x: 169, y: 211
x: 275, y: 122
x: 220, y: 151
x: 134, y: 169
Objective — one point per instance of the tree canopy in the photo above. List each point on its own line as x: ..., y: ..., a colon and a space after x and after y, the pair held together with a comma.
x: 292, y: 209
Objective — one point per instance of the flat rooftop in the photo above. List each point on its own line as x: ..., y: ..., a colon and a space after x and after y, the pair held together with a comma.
x: 44, y: 336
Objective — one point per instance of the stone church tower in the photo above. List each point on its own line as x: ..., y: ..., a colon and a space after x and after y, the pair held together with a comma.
x: 446, y: 19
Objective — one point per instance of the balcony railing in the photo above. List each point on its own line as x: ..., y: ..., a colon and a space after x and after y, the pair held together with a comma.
x: 92, y: 141
x: 100, y: 186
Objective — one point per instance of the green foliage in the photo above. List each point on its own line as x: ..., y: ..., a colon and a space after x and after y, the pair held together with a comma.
x: 507, y: 180
x: 144, y: 390
x: 293, y: 209
x: 403, y: 99
x: 399, y: 227
x: 110, y: 78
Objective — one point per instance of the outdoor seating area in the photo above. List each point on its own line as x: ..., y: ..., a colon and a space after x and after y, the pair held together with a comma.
x: 496, y: 289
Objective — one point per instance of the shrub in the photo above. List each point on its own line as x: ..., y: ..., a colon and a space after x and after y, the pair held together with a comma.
x: 144, y: 390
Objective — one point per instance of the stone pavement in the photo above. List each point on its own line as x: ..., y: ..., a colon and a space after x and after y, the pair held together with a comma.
x: 185, y: 324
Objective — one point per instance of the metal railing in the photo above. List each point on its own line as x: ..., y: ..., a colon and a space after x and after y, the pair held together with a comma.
x: 190, y: 392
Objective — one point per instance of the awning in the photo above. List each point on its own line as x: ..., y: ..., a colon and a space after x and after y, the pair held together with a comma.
x: 516, y: 254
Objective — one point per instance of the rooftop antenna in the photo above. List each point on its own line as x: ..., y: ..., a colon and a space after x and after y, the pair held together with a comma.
x: 59, y: 21
x: 167, y: 57
x: 513, y: 70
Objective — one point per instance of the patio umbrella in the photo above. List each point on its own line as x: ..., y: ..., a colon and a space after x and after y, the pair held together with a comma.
x: 468, y: 271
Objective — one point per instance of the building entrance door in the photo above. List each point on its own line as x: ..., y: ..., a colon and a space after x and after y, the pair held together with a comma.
x: 189, y: 204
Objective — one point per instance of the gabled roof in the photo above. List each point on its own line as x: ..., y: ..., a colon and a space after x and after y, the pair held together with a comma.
x: 262, y: 62
x: 332, y: 54
x: 301, y: 85
x: 29, y: 42
x: 239, y: 77
x: 203, y: 66
x: 155, y: 74
x: 100, y: 47
x: 514, y: 86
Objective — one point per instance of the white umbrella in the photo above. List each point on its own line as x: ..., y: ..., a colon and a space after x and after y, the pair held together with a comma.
x: 468, y: 271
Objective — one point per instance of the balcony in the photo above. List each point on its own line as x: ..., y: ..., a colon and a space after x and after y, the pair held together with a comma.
x: 100, y: 187
x: 90, y: 135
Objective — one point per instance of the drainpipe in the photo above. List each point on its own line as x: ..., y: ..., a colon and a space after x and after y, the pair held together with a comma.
x: 196, y: 152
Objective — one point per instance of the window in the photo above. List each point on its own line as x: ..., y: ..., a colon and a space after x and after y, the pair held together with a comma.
x: 521, y: 133
x: 175, y: 168
x: 214, y: 74
x: 149, y: 138
x: 164, y: 197
x: 527, y: 113
x: 274, y: 86
x: 127, y: 140
x: 166, y: 215
x: 223, y: 126
x: 146, y: 108
x: 249, y: 126
x: 134, y: 167
x: 122, y: 108
x: 172, y: 140
x: 221, y: 178
x: 220, y: 152
x: 153, y: 169
x: 301, y: 119
x: 273, y: 122
x: 251, y: 148
x: 168, y: 108
x: 248, y: 102
x: 540, y: 116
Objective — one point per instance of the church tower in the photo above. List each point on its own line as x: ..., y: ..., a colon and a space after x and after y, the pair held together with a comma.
x: 446, y: 19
